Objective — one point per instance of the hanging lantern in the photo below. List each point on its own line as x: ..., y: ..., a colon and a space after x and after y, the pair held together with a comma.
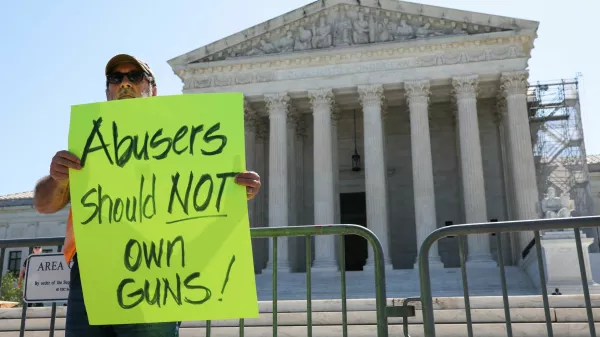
x: 355, y: 161
x: 355, y: 156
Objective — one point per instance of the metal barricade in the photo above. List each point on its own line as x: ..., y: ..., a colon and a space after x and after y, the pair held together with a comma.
x: 497, y: 228
x: 274, y: 233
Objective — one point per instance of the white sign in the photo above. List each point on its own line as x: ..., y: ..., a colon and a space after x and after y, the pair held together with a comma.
x: 47, y: 278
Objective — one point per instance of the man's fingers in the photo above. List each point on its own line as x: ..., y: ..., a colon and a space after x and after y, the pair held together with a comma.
x: 68, y: 155
x: 65, y: 162
x: 248, y: 182
x: 59, y: 175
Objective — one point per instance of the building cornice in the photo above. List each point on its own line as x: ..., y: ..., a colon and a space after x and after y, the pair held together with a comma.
x: 335, y: 62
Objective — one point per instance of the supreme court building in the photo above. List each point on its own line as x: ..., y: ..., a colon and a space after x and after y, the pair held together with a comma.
x: 397, y: 116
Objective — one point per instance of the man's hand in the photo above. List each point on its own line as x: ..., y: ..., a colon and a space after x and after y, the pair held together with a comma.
x: 60, y: 165
x: 252, y: 182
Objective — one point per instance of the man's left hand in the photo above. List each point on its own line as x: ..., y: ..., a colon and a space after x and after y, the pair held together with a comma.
x: 252, y: 182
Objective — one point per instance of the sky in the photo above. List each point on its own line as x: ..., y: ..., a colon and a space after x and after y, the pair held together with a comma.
x: 53, y: 53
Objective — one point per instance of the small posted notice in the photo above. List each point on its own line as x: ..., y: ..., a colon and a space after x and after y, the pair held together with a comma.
x: 46, y: 278
x: 160, y: 224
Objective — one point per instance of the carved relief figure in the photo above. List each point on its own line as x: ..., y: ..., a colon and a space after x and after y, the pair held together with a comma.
x: 323, y: 34
x: 361, y: 29
x: 286, y: 42
x: 404, y: 31
x: 383, y: 28
x: 304, y: 39
x: 343, y: 30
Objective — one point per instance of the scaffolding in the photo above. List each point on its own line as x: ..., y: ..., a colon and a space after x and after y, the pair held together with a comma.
x: 558, y: 144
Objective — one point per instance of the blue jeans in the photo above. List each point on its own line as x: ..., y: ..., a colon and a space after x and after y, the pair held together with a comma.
x: 77, y: 319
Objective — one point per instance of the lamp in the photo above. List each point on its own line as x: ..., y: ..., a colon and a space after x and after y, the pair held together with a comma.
x: 355, y: 156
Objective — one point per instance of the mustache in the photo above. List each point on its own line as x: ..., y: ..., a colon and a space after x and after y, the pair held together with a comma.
x: 126, y: 91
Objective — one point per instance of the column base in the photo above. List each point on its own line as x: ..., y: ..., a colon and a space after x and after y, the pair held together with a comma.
x: 281, y: 268
x: 435, y: 262
x: 324, y: 266
x: 484, y: 261
x: 370, y: 266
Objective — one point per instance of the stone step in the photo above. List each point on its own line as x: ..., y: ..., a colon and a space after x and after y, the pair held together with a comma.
x: 567, y: 313
x: 442, y: 330
x: 452, y: 316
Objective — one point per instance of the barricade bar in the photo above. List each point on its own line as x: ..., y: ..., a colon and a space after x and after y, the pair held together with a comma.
x: 534, y: 226
x: 270, y: 232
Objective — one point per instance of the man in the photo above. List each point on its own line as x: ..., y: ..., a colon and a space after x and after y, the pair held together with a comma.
x: 35, y: 250
x: 126, y: 77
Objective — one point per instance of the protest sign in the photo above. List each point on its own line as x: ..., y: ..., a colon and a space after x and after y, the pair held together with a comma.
x: 161, y: 227
x: 47, y: 278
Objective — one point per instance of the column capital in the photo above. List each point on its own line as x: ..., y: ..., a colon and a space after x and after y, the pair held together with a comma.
x: 300, y: 126
x: 321, y: 98
x: 417, y: 91
x: 514, y: 83
x: 465, y: 86
x: 370, y: 94
x: 277, y: 103
x: 262, y: 129
x: 250, y: 116
x: 292, y: 117
x: 501, y: 107
x: 336, y: 113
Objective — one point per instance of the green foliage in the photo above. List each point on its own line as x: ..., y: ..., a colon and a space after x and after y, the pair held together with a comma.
x: 8, y: 289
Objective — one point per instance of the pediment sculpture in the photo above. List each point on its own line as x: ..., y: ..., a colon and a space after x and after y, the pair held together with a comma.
x: 346, y: 25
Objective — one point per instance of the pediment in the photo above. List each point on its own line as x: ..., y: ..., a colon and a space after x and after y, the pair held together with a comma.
x: 343, y: 23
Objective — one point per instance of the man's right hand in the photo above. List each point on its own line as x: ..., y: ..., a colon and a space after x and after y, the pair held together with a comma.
x: 60, y: 165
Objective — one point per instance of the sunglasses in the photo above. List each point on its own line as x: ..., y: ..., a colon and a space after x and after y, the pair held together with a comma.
x: 133, y: 77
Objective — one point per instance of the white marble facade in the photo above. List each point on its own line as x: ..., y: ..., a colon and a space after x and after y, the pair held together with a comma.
x: 441, y: 124
x: 441, y: 127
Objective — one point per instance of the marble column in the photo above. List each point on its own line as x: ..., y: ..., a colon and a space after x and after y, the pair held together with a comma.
x: 465, y: 89
x: 417, y: 94
x: 322, y: 101
x: 250, y: 125
x: 261, y: 200
x: 335, y: 117
x: 522, y: 168
x: 300, y: 133
x: 370, y: 97
x: 277, y: 107
x: 292, y: 121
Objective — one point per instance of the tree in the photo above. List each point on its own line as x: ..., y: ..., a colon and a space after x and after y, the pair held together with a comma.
x: 8, y: 289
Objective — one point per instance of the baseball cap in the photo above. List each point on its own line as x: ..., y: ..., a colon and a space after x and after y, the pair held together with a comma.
x: 125, y: 58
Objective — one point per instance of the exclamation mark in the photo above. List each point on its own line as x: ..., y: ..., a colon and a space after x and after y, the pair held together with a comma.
x: 227, y: 277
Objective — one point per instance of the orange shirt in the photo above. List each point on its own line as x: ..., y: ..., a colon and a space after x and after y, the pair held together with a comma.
x: 69, y: 245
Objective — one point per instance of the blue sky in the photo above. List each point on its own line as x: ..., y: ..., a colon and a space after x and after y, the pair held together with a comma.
x: 52, y: 56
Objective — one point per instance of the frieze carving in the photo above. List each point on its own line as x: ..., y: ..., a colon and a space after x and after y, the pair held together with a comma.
x: 346, y: 25
x: 361, y: 62
x: 514, y: 83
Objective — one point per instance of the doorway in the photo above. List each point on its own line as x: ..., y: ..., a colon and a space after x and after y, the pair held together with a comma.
x: 353, y: 210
